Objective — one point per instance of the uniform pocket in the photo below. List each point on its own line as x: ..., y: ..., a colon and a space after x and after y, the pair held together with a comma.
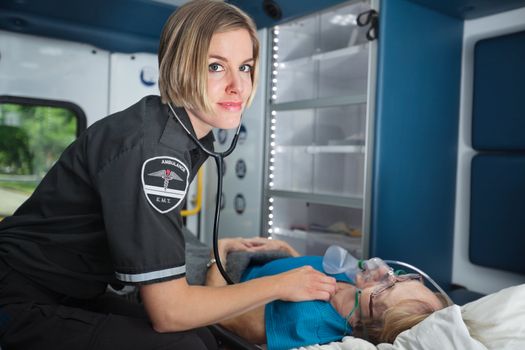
x: 79, y: 315
x: 4, y: 270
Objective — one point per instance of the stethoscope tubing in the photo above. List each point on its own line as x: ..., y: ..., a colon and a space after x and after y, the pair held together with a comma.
x: 219, y: 161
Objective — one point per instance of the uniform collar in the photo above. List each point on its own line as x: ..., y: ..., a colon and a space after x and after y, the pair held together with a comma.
x: 175, y: 136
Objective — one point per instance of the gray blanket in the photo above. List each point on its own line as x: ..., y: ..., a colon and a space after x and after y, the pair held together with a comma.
x: 198, y: 255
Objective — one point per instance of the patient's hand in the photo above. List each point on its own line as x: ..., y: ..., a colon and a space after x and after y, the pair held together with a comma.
x: 265, y: 244
x: 227, y: 245
x: 254, y: 244
x: 239, y: 244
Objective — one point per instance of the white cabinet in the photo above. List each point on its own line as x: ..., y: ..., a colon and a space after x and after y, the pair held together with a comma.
x: 318, y: 131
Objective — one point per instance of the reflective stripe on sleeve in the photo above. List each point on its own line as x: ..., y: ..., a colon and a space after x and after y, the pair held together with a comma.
x: 148, y: 276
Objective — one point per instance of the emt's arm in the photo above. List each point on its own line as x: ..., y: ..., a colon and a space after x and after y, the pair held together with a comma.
x: 176, y: 306
x: 249, y: 325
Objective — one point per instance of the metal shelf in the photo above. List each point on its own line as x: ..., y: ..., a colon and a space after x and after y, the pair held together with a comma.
x: 344, y: 52
x: 314, y: 149
x: 316, y: 243
x: 340, y: 201
x: 319, y: 103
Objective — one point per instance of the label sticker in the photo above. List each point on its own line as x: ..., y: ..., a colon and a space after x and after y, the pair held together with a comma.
x: 240, y: 203
x: 240, y: 168
x: 243, y: 134
x: 149, y: 76
x: 222, y: 135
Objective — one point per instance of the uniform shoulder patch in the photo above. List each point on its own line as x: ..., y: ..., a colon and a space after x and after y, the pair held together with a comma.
x: 165, y: 182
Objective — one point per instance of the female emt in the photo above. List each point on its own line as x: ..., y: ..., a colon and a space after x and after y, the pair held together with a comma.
x: 108, y: 211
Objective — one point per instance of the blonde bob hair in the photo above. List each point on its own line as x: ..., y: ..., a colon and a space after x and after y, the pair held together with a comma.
x: 395, y: 320
x: 183, y: 50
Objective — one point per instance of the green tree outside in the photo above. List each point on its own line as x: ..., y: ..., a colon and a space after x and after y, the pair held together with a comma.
x: 31, y: 140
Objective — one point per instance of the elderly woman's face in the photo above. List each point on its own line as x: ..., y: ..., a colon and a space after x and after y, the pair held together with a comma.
x: 407, y: 290
x: 230, y: 64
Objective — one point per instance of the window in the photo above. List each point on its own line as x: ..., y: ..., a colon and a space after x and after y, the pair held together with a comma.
x: 33, y: 134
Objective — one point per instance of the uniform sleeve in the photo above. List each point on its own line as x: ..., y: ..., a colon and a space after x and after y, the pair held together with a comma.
x: 142, y: 191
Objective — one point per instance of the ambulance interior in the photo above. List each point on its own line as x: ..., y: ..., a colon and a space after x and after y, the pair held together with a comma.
x: 399, y: 134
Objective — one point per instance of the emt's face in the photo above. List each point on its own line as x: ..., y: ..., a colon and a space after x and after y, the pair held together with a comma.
x: 230, y: 63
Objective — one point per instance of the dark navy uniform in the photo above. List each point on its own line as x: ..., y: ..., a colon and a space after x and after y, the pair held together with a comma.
x: 108, y: 212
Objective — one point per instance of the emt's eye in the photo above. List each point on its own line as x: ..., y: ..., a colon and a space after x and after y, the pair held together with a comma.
x: 215, y: 67
x: 246, y: 68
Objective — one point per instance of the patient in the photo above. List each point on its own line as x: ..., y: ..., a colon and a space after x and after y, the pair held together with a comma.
x: 376, y: 310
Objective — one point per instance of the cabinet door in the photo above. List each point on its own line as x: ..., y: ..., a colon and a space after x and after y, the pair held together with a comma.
x: 317, y: 160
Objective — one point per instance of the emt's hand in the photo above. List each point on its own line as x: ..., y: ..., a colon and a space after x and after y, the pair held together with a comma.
x: 305, y: 283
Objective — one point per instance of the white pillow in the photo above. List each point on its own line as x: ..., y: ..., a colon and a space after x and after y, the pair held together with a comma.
x: 494, y: 322
x: 348, y: 343
x: 442, y: 330
x: 498, y: 320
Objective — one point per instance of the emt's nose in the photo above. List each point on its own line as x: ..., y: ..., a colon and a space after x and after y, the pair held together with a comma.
x: 235, y: 85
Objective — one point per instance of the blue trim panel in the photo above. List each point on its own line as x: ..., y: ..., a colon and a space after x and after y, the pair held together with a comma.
x: 113, y: 25
x: 418, y: 94
x: 122, y: 25
x: 498, y: 111
x: 497, y: 220
x: 469, y: 9
x: 135, y: 25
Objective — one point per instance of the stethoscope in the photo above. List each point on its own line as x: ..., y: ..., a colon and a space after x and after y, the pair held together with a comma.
x: 219, y: 161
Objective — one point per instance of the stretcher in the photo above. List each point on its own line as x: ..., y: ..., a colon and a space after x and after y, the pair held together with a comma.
x: 495, y: 321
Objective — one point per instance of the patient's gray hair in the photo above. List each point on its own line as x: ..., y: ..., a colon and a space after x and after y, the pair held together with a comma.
x: 395, y: 320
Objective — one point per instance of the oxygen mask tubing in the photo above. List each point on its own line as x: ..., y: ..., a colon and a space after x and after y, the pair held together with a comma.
x: 338, y: 260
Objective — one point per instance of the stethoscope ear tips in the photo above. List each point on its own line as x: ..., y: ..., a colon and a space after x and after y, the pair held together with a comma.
x: 370, y: 17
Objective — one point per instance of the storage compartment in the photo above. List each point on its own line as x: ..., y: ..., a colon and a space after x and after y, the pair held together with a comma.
x: 342, y: 73
x: 295, y: 128
x: 297, y: 80
x: 333, y: 74
x: 300, y: 37
x: 341, y: 125
x: 339, y: 27
x: 322, y: 56
x: 293, y: 169
x: 320, y: 150
x: 319, y: 170
x: 339, y: 174
x: 311, y: 228
x: 330, y: 31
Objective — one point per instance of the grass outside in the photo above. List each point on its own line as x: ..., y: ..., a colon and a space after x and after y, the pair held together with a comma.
x: 19, y: 186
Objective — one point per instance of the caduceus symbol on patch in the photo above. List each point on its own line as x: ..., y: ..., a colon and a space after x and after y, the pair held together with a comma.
x: 167, y: 175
